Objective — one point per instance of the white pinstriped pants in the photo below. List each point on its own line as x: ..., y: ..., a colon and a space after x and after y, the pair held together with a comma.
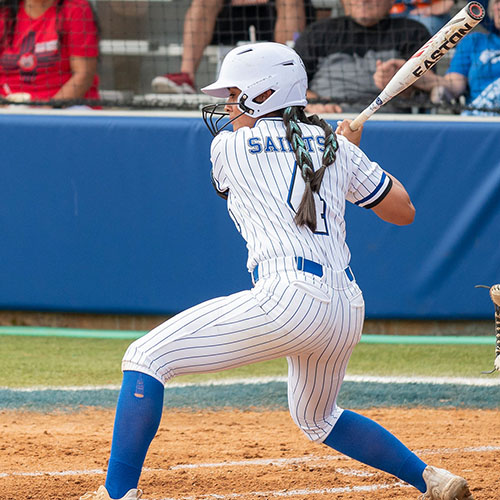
x: 315, y: 322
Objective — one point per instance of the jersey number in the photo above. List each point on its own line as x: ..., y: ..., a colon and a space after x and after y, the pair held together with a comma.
x: 295, y: 192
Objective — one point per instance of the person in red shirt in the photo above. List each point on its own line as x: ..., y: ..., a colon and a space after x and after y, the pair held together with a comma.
x: 48, y: 50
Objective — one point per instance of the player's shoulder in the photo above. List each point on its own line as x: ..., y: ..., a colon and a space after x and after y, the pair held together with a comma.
x: 219, y: 140
x: 345, y: 143
x: 349, y: 152
x: 226, y: 139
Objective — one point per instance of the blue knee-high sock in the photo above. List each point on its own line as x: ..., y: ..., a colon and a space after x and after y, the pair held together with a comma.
x: 138, y: 415
x: 363, y: 439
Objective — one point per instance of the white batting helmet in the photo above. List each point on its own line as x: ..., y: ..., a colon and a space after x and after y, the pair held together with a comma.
x: 257, y: 67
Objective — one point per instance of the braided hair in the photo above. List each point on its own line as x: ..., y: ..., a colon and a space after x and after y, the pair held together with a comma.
x: 306, y: 213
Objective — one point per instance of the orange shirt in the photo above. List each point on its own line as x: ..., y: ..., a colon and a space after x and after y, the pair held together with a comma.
x: 401, y: 6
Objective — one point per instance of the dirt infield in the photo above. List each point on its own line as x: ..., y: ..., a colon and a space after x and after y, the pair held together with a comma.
x: 238, y: 455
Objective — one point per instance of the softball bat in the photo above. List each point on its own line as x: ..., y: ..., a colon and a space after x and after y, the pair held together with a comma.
x: 425, y: 58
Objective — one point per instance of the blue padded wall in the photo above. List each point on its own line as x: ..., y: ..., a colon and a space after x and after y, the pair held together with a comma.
x: 117, y: 214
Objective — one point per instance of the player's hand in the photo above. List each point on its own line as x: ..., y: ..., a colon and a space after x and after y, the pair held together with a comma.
x: 318, y: 108
x: 344, y: 129
x: 385, y: 71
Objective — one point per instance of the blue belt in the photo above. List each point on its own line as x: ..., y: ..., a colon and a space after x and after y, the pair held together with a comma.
x: 308, y: 266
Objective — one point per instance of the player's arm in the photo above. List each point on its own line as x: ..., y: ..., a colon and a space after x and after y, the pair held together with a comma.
x: 218, y: 159
x: 224, y: 194
x: 374, y: 189
x: 396, y: 206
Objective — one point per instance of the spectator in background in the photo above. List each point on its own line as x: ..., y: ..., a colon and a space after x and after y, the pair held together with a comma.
x: 227, y: 22
x: 48, y: 50
x: 474, y: 70
x: 123, y: 20
x: 433, y: 14
x: 347, y: 58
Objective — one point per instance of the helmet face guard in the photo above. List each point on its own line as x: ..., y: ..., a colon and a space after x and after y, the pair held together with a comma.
x: 254, y: 69
x: 213, y: 116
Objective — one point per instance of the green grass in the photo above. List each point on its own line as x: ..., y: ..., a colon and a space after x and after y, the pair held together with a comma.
x: 53, y: 361
x: 29, y: 361
x: 423, y: 360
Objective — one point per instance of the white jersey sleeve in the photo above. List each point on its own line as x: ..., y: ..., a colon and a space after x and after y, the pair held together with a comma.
x: 218, y: 157
x: 369, y: 184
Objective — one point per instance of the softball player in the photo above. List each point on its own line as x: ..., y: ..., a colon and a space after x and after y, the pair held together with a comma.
x: 286, y: 178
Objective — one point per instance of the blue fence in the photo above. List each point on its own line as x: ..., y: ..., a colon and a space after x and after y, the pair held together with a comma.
x: 117, y: 214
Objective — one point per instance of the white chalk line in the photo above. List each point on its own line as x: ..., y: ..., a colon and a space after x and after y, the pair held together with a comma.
x: 282, y: 462
x: 292, y: 493
x: 469, y: 381
x: 318, y: 461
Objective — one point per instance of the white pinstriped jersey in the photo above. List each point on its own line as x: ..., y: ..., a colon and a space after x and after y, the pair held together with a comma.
x: 314, y: 319
x: 257, y: 167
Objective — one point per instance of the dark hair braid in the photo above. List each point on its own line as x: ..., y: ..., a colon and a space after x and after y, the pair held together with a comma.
x: 330, y: 151
x: 306, y: 213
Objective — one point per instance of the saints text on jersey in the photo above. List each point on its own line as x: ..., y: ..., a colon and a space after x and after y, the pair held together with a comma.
x: 279, y: 144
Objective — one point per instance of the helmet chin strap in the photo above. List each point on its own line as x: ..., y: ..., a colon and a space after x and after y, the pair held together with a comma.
x: 244, y: 107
